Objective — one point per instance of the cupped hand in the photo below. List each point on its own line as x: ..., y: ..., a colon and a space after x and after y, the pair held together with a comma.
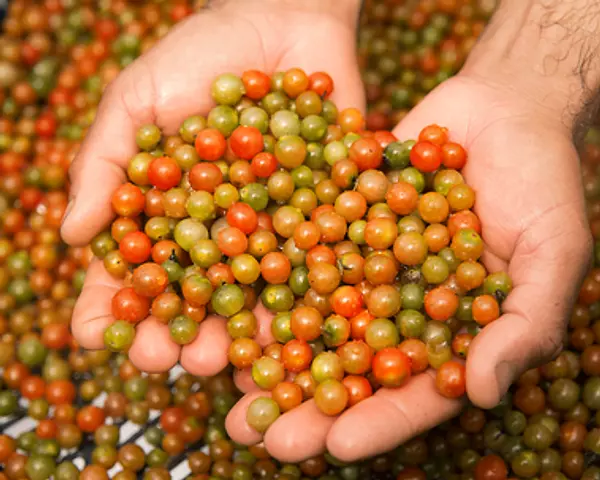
x: 525, y: 171
x: 168, y: 84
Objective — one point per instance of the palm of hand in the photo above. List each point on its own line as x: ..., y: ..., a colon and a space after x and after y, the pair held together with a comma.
x: 526, y: 176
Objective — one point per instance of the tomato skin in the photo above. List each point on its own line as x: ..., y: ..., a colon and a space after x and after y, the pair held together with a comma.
x: 391, y: 367
x: 129, y: 306
x: 426, y: 156
x: 491, y: 467
x: 164, y: 173
x: 60, y: 392
x: 434, y: 134
x: 46, y: 125
x: 246, y: 142
x: 359, y: 323
x: 33, y: 387
x: 296, y: 355
x: 90, y: 418
x: 46, y: 429
x: 135, y: 247
x: 263, y: 165
x: 366, y: 153
x: 128, y: 200
x: 257, y: 84
x: 321, y: 83
x: 171, y: 419
x: 441, y: 303
x: 454, y: 155
x: 451, y: 379
x: 242, y: 216
x: 358, y: 387
x: 346, y: 301
x: 205, y: 176
x: 210, y: 144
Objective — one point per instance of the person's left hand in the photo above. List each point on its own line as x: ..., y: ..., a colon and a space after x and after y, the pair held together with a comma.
x: 525, y: 171
x: 166, y: 85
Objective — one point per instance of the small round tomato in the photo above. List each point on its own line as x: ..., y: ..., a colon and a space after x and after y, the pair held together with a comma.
x: 128, y: 200
x: 241, y: 215
x: 135, y: 247
x: 441, y: 303
x: 246, y: 142
x: 90, y: 418
x: 391, y: 367
x: 128, y: 305
x: 358, y: 387
x: 210, y: 144
x: 346, y: 301
x: 451, y: 379
x: 321, y: 83
x: 164, y: 173
x: 434, y: 134
x: 426, y: 156
x: 60, y: 392
x: 454, y: 156
x: 263, y: 165
x: 366, y: 153
x: 256, y: 84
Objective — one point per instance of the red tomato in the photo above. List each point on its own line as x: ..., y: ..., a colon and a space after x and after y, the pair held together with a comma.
x: 263, y: 165
x: 346, y: 301
x: 164, y: 173
x: 246, y: 142
x: 135, y: 247
x: 454, y: 155
x: 358, y: 388
x: 426, y: 156
x: 451, y: 379
x: 128, y: 305
x: 242, y: 216
x: 257, y: 84
x: 210, y: 144
x: 391, y: 367
x: 366, y: 153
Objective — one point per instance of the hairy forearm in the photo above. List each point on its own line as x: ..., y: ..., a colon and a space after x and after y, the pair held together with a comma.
x: 547, y: 50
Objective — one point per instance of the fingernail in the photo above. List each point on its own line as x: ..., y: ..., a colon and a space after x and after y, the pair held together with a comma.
x: 68, y: 210
x: 505, y: 376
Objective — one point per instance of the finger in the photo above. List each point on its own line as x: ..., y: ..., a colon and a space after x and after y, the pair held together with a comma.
x: 389, y: 418
x: 264, y: 335
x: 299, y: 434
x: 153, y: 350
x: 531, y: 330
x: 243, y: 381
x: 92, y: 313
x: 207, y: 354
x: 236, y: 425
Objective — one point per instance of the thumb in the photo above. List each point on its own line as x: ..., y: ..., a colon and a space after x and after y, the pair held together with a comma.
x: 546, y: 268
x: 99, y: 167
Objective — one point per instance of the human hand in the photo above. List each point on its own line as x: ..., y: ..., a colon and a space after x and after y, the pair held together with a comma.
x: 525, y: 171
x: 168, y: 84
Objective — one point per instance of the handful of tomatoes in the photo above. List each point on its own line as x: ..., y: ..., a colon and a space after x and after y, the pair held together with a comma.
x: 365, y: 248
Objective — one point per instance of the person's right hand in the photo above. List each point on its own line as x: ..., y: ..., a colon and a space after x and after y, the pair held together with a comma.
x: 168, y: 84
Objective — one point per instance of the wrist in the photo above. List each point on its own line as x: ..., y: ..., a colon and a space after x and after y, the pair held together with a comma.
x: 345, y: 11
x: 545, y: 51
